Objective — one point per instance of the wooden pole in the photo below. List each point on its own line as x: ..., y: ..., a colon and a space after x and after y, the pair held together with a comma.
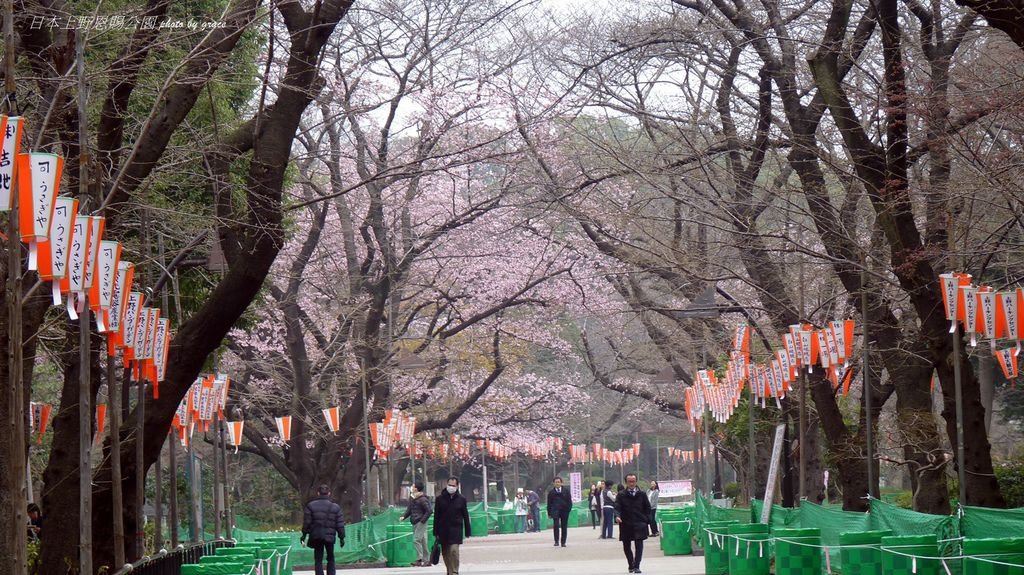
x: 158, y: 496
x: 140, y: 471
x: 216, y: 477
x: 172, y: 510
x: 229, y: 523
x: 84, y: 371
x: 116, y: 487
x: 17, y: 466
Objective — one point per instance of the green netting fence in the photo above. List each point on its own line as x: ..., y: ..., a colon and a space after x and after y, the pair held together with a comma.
x: 365, y: 541
x: 883, y: 518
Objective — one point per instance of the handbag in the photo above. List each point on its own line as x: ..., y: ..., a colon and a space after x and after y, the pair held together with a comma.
x: 435, y: 553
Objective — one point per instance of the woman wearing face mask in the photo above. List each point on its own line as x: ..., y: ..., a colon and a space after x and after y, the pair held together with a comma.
x: 418, y: 513
x: 451, y: 520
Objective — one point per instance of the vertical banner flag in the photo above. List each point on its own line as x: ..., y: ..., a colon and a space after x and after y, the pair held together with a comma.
x: 235, y: 433
x: 1008, y: 361
x: 38, y: 182
x: 54, y: 251
x: 331, y: 414
x: 102, y: 289
x: 132, y: 317
x: 284, y: 428
x: 96, y: 228
x: 9, y: 151
x: 118, y: 302
x: 101, y: 421
x: 78, y: 253
x: 970, y: 298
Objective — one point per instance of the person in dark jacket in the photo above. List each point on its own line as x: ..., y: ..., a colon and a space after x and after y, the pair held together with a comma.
x: 534, y: 502
x: 594, y: 503
x: 607, y: 509
x: 35, y: 522
x: 633, y: 514
x: 559, y: 504
x: 321, y: 521
x: 418, y: 513
x: 451, y: 520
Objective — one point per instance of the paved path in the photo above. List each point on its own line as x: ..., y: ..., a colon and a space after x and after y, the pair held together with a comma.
x: 533, y: 553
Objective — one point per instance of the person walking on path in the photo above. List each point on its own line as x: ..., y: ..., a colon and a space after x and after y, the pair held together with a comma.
x: 418, y: 512
x: 321, y: 521
x: 533, y: 500
x: 559, y: 504
x: 633, y: 514
x: 521, y: 507
x: 652, y: 496
x: 451, y: 520
x: 607, y: 510
x: 594, y: 502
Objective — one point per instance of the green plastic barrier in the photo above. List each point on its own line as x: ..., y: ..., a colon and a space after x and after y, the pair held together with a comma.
x: 400, y: 550
x: 239, y: 553
x: 797, y: 551
x: 675, y: 537
x: 749, y: 549
x: 430, y: 533
x: 994, y: 556
x: 985, y: 523
x: 213, y: 569
x: 284, y: 547
x: 860, y: 553
x: 898, y: 555
x: 906, y: 522
x: 779, y: 518
x: 507, y: 521
x: 478, y: 524
x: 545, y: 521
x: 714, y: 540
x: 268, y: 559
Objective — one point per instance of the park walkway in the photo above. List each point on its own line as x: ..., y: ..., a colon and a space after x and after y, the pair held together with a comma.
x: 528, y: 553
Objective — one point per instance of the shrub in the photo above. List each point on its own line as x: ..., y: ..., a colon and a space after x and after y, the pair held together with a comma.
x: 1011, y: 481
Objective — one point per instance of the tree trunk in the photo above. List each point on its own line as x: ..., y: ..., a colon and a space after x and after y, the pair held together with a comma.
x: 922, y: 448
x: 59, y: 551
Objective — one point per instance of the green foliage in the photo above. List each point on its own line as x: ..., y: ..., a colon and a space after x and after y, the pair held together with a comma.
x: 732, y: 489
x: 1011, y: 481
x: 33, y: 558
x: 904, y: 499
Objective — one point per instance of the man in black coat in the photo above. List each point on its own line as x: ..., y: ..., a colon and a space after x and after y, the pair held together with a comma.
x: 321, y: 520
x: 559, y: 504
x: 633, y: 514
x: 451, y: 520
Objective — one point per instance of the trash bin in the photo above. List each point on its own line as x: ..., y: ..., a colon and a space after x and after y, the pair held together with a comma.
x: 797, y: 551
x: 749, y: 549
x: 399, y: 549
x: 859, y: 552
x: 714, y: 538
x: 981, y: 554
x: 675, y: 537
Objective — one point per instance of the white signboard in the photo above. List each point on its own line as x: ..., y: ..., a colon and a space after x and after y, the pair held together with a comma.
x: 576, y: 486
x: 676, y: 488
